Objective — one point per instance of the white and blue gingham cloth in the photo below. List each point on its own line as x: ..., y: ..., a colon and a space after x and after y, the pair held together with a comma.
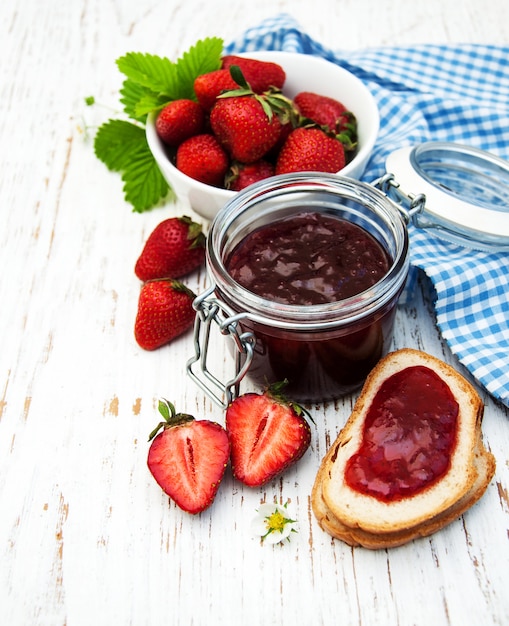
x: 456, y: 93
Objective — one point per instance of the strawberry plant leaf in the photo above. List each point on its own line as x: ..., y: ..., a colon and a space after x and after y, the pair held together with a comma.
x: 151, y: 82
x: 139, y: 101
x: 149, y: 70
x: 122, y: 147
x: 148, y: 103
x: 130, y: 95
x: 144, y: 185
x: 203, y: 57
x: 116, y: 141
x: 174, y: 80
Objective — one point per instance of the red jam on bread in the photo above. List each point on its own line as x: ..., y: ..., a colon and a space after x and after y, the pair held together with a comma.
x: 409, y: 460
x: 409, y: 434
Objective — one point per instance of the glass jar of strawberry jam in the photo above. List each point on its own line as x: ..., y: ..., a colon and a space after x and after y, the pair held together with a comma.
x: 306, y: 273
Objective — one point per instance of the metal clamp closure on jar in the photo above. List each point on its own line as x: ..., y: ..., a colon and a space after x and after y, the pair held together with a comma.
x: 210, y: 310
x: 410, y: 206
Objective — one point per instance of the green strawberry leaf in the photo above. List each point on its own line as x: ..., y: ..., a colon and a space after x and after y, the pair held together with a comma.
x: 151, y: 82
x: 149, y: 70
x: 150, y: 102
x: 174, y: 80
x: 144, y: 185
x: 203, y: 57
x: 130, y: 96
x: 116, y: 141
x: 122, y: 147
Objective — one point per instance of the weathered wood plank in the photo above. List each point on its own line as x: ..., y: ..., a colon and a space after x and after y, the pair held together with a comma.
x: 86, y: 536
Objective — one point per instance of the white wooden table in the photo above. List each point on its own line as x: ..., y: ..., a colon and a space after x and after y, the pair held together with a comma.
x: 86, y: 536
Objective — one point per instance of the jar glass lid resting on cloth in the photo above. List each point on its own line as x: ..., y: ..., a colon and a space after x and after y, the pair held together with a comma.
x: 324, y: 346
x: 459, y: 193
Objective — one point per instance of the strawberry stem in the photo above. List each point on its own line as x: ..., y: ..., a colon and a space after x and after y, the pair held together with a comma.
x: 239, y: 78
x: 194, y: 231
x: 171, y: 417
x: 176, y: 285
x: 272, y: 101
x: 275, y: 391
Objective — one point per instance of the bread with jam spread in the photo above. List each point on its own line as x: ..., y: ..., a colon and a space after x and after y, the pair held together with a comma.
x: 365, y: 511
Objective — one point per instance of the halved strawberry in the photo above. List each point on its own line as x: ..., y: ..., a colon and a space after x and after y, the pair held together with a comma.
x: 188, y: 458
x: 267, y: 433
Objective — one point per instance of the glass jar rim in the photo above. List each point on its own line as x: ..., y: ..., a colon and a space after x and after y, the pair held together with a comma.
x: 316, y: 316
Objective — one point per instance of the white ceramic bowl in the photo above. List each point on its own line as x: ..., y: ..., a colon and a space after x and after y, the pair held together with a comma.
x: 303, y: 73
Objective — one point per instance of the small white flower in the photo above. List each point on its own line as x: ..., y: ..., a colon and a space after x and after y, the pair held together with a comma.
x: 272, y: 523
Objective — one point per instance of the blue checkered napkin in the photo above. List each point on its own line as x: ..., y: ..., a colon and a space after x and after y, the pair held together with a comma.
x: 457, y: 93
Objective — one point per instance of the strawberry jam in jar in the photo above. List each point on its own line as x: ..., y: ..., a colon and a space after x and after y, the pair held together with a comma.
x: 306, y: 271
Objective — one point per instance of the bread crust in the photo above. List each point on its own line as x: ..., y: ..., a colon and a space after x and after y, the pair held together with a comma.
x: 360, y: 519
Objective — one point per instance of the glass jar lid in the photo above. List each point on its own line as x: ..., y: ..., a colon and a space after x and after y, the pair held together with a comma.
x: 464, y: 192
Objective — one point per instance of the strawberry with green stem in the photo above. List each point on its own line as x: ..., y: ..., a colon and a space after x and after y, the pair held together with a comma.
x: 188, y: 458
x: 267, y: 432
x: 165, y: 311
x: 331, y: 115
x: 261, y: 75
x: 173, y: 249
x: 247, y: 124
x: 323, y: 110
x: 310, y: 149
x: 241, y: 175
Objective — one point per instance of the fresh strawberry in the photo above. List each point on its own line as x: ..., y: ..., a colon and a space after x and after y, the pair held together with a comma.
x: 207, y: 87
x: 202, y: 157
x: 261, y: 75
x: 267, y: 434
x: 244, y: 127
x: 179, y: 120
x: 241, y: 175
x: 188, y: 458
x: 310, y: 149
x: 173, y: 249
x: 165, y: 311
x: 323, y: 110
x: 331, y: 114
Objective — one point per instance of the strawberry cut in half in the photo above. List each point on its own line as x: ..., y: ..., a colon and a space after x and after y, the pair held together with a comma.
x: 267, y: 432
x: 188, y: 458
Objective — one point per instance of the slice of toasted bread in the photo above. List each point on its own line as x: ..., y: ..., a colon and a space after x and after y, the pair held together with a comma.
x: 485, y: 467
x: 361, y: 519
